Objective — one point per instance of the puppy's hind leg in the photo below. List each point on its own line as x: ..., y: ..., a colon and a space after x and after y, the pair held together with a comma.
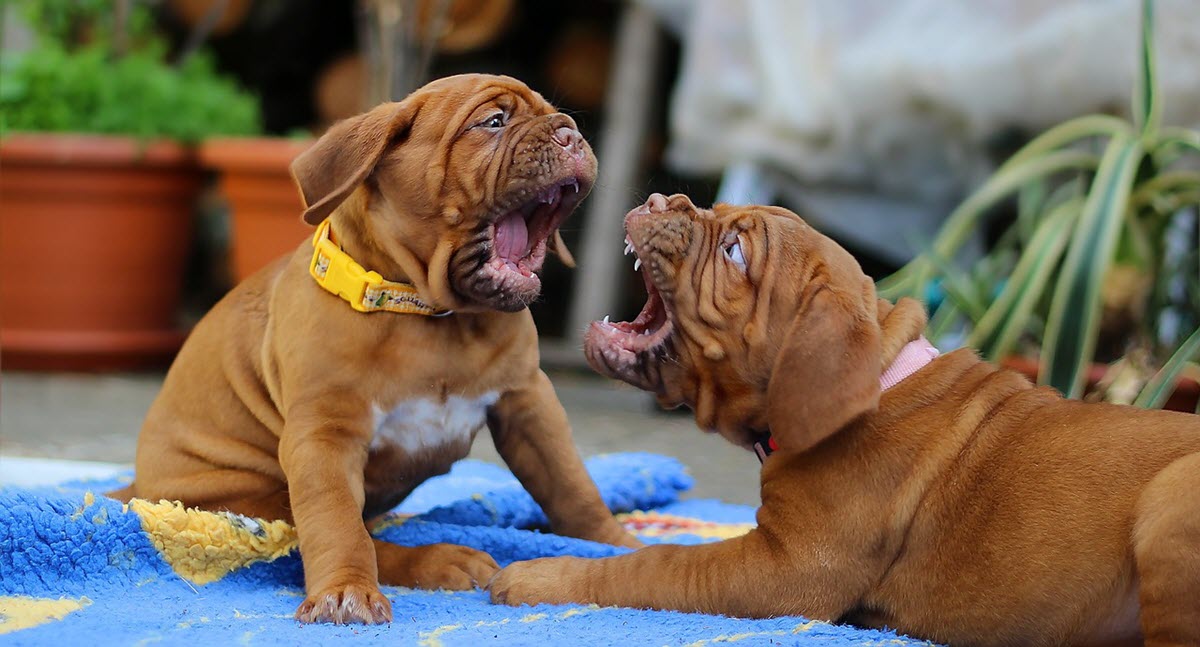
x: 1166, y: 545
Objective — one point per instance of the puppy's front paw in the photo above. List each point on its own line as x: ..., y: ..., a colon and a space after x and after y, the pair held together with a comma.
x: 352, y: 603
x: 552, y: 580
x: 439, y: 566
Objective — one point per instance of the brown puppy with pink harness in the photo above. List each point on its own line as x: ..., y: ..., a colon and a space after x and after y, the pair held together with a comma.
x: 940, y: 496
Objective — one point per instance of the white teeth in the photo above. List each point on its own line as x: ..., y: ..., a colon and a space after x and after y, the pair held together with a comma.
x: 628, y: 248
x: 637, y: 265
x: 605, y: 318
x: 575, y: 185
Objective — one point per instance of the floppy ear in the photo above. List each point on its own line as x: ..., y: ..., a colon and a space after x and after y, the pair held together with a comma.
x: 827, y: 373
x: 557, y: 246
x: 329, y: 171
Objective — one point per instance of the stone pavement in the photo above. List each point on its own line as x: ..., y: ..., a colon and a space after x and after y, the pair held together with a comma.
x: 96, y: 418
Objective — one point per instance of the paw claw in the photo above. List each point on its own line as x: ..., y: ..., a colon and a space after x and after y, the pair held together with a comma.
x: 349, y: 604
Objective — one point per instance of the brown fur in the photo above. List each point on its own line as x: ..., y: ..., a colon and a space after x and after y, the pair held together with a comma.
x: 963, y: 505
x: 267, y: 411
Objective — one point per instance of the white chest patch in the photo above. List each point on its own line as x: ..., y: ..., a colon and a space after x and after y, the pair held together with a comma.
x: 423, y: 424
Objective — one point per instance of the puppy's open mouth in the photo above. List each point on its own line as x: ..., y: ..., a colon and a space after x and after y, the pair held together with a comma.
x: 498, y: 266
x: 631, y: 350
x: 519, y: 236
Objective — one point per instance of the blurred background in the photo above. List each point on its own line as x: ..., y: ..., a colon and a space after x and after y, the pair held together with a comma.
x: 1026, y: 168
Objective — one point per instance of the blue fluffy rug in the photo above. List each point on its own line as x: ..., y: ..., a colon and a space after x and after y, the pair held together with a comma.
x: 79, y: 569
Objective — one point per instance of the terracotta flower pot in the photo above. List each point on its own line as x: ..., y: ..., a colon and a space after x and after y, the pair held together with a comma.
x: 94, y: 233
x: 265, y: 205
x: 1183, y: 398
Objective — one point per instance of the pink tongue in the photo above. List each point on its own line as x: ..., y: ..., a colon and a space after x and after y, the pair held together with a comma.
x: 512, y: 237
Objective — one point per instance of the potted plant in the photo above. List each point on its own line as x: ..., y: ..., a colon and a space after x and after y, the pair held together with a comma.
x: 263, y: 202
x: 1091, y: 267
x: 99, y: 184
x: 397, y: 50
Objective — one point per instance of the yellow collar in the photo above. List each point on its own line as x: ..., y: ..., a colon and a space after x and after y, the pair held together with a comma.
x: 366, y: 291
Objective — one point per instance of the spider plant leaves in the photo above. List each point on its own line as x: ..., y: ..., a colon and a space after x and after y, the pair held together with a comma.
x: 1135, y: 247
x: 959, y: 288
x: 1169, y: 203
x: 1147, y: 109
x: 1027, y: 221
x: 1031, y: 203
x: 998, y: 330
x: 1163, y: 185
x: 1083, y: 222
x: 1154, y: 395
x: 946, y: 319
x: 902, y: 283
x: 1073, y: 325
x: 1068, y: 132
x: 911, y: 279
x: 1173, y: 142
x: 1175, y: 137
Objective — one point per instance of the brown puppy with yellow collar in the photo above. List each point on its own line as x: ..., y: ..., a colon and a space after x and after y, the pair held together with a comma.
x: 287, y: 402
x: 942, y: 497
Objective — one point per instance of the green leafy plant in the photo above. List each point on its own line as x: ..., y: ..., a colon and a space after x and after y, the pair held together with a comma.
x: 97, y: 69
x: 1098, y: 201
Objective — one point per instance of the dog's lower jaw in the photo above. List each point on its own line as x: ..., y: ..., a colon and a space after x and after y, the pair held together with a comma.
x: 499, y: 286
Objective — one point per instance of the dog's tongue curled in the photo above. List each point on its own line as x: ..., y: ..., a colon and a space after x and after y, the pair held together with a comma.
x: 512, y: 237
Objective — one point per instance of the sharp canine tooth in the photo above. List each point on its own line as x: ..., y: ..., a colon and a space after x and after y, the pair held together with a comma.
x: 637, y: 265
x: 605, y: 318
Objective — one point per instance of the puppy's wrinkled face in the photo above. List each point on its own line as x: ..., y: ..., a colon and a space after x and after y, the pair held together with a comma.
x: 467, y: 179
x: 724, y: 285
x: 498, y: 168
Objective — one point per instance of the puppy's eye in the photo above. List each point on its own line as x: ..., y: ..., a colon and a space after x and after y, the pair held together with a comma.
x: 495, y: 121
x: 733, y: 252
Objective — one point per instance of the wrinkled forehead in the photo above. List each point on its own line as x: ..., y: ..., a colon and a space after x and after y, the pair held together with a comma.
x: 757, y: 217
x: 455, y: 98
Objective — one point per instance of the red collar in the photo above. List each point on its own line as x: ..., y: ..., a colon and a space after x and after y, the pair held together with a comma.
x: 912, y: 358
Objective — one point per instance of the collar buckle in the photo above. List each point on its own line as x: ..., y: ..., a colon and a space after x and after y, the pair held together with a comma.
x: 365, y: 291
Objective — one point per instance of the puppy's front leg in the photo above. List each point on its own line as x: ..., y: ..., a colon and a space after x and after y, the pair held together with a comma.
x: 749, y: 576
x: 323, y: 451
x: 531, y: 432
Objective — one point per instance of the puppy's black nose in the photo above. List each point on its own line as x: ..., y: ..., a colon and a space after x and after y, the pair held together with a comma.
x: 568, y: 138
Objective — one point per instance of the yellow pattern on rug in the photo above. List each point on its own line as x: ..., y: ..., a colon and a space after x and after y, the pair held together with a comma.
x: 656, y: 524
x: 21, y: 612
x: 203, y: 547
